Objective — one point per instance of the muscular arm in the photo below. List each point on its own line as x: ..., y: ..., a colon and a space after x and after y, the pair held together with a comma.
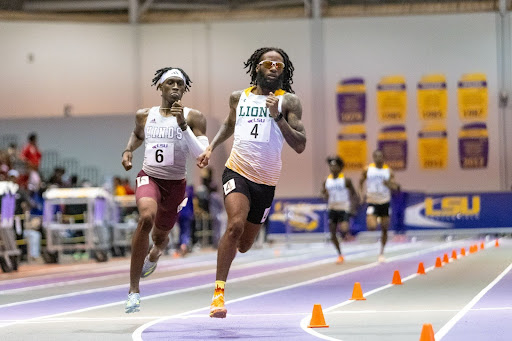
x: 225, y: 131
x: 136, y: 138
x: 350, y: 186
x: 391, y: 183
x: 362, y: 180
x: 292, y: 127
x: 197, y: 122
x: 228, y: 127
x: 325, y: 194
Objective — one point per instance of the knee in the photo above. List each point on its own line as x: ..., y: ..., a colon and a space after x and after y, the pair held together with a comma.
x: 146, y: 220
x: 235, y: 229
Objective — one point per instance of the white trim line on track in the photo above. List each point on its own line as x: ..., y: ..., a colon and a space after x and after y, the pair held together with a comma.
x: 137, y: 334
x: 168, y: 293
x: 446, y: 328
x: 304, y: 321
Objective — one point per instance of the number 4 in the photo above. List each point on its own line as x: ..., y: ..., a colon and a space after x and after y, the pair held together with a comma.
x: 254, y: 131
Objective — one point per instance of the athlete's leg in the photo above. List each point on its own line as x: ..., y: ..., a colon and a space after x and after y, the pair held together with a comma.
x: 333, y: 227
x: 248, y: 236
x: 371, y: 222
x: 160, y: 241
x: 384, y: 225
x: 237, y: 208
x: 140, y: 242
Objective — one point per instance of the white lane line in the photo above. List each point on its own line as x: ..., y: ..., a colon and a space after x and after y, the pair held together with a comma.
x: 446, y: 328
x: 137, y: 334
x: 249, y: 277
x: 304, y: 321
x: 107, y: 319
x: 168, y: 266
x: 158, y: 280
x: 123, y: 275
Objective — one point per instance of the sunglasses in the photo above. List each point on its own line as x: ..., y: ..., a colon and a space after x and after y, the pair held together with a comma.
x: 267, y: 64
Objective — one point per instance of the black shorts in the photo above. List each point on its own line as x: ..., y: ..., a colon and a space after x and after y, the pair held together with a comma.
x: 379, y: 210
x: 260, y: 196
x: 337, y: 216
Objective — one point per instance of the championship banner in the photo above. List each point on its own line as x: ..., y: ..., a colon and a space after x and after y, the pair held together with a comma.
x: 298, y: 215
x: 351, y: 100
x: 392, y: 99
x: 433, y: 147
x: 352, y: 146
x: 432, y: 97
x: 473, y: 97
x: 473, y: 146
x: 392, y: 141
x: 457, y: 211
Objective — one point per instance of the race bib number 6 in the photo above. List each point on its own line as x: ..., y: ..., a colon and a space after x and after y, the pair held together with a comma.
x: 160, y: 154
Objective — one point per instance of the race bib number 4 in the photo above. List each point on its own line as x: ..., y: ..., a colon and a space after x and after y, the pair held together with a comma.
x: 160, y: 154
x: 256, y: 129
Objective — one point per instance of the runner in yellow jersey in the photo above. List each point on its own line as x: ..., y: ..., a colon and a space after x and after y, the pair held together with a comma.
x: 261, y: 117
x: 380, y: 181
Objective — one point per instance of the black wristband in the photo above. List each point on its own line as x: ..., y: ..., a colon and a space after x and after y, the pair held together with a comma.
x: 183, y: 126
x: 278, y: 117
x: 124, y: 151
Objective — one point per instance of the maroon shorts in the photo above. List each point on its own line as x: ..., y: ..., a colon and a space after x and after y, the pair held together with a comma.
x: 168, y: 194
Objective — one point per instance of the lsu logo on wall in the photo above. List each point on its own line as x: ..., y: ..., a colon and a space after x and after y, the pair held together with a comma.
x: 452, y: 206
x: 300, y: 216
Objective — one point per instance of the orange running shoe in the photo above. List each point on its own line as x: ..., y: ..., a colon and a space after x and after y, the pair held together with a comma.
x: 217, y: 308
x: 340, y: 259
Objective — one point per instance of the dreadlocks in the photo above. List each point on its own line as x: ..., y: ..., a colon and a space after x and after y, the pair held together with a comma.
x: 160, y: 72
x: 253, y: 61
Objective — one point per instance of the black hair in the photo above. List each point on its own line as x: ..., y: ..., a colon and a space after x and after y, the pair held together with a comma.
x: 337, y: 159
x: 160, y: 72
x: 253, y: 61
x: 32, y: 137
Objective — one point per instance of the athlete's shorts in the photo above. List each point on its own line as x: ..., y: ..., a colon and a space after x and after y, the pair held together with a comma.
x: 379, y: 210
x: 260, y: 196
x: 336, y: 216
x: 168, y: 194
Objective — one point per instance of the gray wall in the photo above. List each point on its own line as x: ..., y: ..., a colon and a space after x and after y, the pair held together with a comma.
x: 106, y: 69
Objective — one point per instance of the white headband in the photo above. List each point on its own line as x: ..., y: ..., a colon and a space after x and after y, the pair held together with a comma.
x: 171, y: 73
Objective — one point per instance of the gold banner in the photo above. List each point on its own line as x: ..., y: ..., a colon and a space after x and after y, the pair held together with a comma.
x: 352, y: 147
x: 473, y: 97
x: 433, y: 147
x: 392, y: 99
x: 432, y: 97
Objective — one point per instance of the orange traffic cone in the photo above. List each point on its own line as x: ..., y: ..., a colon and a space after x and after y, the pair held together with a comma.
x: 482, y: 245
x: 357, y: 293
x: 396, y: 278
x: 438, y: 263
x: 317, y: 318
x: 472, y: 249
x: 454, y: 255
x: 496, y: 243
x: 463, y: 252
x: 445, y: 258
x: 427, y: 333
x: 421, y: 269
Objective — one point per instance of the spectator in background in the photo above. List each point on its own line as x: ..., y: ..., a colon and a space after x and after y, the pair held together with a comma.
x: 30, y: 153
x: 119, y: 189
x: 185, y: 221
x: 56, y: 179
x: 127, y: 187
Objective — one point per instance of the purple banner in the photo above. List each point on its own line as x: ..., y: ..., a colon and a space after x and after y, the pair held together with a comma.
x: 351, y: 101
x: 393, y: 143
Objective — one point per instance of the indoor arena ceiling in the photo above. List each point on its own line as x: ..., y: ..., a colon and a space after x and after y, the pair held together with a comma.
x: 155, y: 10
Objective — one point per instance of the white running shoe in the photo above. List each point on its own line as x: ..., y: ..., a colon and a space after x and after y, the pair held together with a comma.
x: 382, y: 259
x: 148, y: 268
x: 132, y: 303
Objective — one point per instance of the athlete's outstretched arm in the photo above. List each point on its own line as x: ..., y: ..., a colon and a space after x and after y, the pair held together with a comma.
x: 225, y: 131
x: 292, y: 126
x: 136, y: 138
x: 361, y: 183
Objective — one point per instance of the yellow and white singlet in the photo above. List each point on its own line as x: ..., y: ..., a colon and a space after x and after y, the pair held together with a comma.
x: 256, y: 152
x: 376, y: 191
x: 339, y: 198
